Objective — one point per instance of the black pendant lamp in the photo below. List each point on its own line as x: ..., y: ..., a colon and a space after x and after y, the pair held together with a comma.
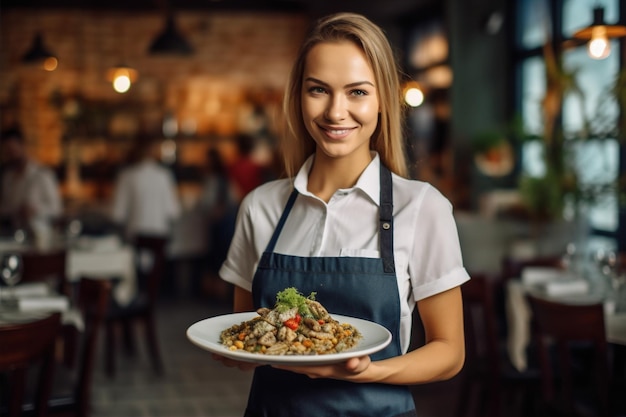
x: 39, y: 54
x: 170, y: 41
x: 599, y: 33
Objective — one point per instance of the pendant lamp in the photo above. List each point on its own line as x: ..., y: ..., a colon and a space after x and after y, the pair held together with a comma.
x: 122, y: 77
x: 598, y: 35
x: 170, y: 41
x: 39, y: 54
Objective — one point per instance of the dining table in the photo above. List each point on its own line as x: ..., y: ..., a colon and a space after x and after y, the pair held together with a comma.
x: 100, y: 257
x: 33, y: 301
x: 582, y: 285
x: 104, y: 257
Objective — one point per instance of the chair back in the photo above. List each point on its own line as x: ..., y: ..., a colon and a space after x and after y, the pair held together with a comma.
x: 150, y: 280
x: 24, y: 345
x: 93, y: 301
x: 562, y: 325
x: 481, y: 327
x: 49, y: 266
x: 512, y: 267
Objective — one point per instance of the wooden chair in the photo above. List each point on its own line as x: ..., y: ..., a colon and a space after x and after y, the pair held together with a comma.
x: 490, y: 385
x: 47, y: 266
x: 512, y: 268
x: 142, y: 308
x: 23, y: 346
x: 561, y: 326
x: 50, y: 267
x: 71, y: 394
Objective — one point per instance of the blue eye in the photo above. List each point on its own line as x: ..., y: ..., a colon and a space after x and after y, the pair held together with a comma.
x: 359, y: 92
x: 317, y: 90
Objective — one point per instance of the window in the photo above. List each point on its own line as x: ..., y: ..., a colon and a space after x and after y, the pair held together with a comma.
x: 592, y: 114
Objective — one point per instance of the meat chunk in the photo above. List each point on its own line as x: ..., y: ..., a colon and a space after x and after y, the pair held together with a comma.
x: 268, y: 339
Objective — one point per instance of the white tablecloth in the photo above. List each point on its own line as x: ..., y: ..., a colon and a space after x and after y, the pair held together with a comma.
x: 96, y: 257
x: 616, y: 328
x: 10, y: 245
x: 106, y: 264
x: 518, y: 315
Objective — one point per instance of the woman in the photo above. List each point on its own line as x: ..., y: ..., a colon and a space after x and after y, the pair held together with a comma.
x: 330, y: 230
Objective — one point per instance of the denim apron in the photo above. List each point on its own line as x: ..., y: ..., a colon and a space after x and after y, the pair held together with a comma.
x: 360, y: 287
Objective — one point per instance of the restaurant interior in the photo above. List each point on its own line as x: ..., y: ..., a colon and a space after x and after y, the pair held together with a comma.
x: 512, y: 109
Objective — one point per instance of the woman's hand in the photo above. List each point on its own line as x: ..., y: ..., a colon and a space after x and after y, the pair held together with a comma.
x: 351, y: 370
x: 231, y: 363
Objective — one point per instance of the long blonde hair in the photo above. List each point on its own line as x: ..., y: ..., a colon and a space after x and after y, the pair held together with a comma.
x: 387, y: 139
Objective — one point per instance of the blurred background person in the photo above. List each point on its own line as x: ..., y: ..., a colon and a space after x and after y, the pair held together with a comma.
x: 245, y: 172
x: 30, y: 195
x: 145, y: 198
x: 218, y: 203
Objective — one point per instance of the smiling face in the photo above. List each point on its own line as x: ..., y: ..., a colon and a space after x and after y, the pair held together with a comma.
x: 339, y: 101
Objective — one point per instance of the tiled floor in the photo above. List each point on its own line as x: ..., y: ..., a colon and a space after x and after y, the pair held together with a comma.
x: 194, y: 384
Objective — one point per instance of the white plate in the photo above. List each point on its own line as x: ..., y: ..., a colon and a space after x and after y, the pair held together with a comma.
x: 206, y: 334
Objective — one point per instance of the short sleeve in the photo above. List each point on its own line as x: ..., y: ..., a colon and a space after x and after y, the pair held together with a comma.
x: 242, y: 258
x: 437, y: 263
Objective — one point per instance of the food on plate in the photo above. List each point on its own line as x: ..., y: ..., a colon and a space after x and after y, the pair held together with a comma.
x: 297, y: 325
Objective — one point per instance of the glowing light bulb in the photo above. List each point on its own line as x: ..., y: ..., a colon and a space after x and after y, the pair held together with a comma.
x: 414, y: 97
x: 599, y: 46
x: 122, y: 77
x: 50, y: 63
x: 121, y: 83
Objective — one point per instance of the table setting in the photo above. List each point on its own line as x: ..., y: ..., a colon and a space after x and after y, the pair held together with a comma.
x: 29, y: 301
x: 584, y: 281
x: 94, y: 256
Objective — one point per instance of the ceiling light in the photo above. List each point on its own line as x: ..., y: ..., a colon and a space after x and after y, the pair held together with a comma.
x: 598, y: 34
x: 170, y: 41
x: 413, y: 94
x: 122, y: 77
x: 39, y: 54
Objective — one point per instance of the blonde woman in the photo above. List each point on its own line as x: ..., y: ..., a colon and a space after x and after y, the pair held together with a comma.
x: 348, y: 225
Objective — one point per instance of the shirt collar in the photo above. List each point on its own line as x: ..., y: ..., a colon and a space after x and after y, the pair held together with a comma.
x: 368, y: 182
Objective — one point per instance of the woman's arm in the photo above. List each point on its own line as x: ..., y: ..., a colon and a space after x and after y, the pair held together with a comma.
x: 443, y: 354
x: 441, y: 357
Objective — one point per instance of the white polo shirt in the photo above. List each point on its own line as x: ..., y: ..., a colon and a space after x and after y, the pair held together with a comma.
x: 146, y: 200
x: 427, y: 253
x: 36, y: 187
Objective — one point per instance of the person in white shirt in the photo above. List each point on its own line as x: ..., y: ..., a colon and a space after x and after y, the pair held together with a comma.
x: 145, y: 199
x: 30, y: 197
x: 347, y: 225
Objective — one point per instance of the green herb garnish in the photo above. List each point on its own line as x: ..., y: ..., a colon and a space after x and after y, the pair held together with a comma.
x: 290, y: 298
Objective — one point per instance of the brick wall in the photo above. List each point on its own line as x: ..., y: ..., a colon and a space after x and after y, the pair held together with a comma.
x: 239, y: 59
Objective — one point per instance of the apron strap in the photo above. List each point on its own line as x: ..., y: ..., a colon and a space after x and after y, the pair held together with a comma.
x: 386, y: 220
x: 281, y: 222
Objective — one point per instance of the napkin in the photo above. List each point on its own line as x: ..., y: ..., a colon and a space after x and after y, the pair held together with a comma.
x: 567, y: 287
x: 31, y: 289
x: 540, y: 274
x: 99, y: 243
x: 48, y: 303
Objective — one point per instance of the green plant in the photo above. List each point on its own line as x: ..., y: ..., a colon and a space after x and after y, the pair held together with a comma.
x: 546, y: 196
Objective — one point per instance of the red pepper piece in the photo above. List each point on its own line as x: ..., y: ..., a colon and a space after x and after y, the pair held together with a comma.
x: 293, y: 322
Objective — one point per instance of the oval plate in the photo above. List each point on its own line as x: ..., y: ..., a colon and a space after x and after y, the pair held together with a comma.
x: 206, y: 334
